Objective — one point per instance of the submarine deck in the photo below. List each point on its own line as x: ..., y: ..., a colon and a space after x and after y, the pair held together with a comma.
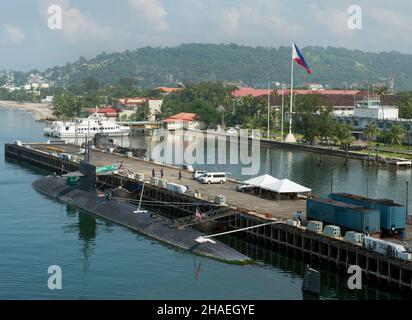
x: 155, y: 226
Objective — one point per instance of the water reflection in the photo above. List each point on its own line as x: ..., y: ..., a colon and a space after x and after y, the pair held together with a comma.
x: 302, y: 167
x: 197, y: 268
x: 86, y: 227
x: 333, y: 284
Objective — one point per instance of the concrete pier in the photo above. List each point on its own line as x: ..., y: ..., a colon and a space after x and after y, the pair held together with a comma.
x: 248, y: 210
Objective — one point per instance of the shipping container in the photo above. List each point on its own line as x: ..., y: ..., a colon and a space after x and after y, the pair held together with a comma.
x: 348, y: 216
x: 393, y: 215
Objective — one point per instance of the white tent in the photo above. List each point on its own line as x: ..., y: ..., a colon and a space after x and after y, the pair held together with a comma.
x: 287, y: 186
x: 264, y: 182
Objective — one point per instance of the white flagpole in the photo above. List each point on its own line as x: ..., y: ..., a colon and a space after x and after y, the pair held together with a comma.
x: 268, y: 135
x: 291, y: 93
x: 290, y: 137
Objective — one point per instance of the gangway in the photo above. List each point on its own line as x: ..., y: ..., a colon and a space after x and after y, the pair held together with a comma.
x: 220, y: 212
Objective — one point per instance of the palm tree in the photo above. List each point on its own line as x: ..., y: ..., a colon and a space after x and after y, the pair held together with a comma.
x: 253, y: 122
x: 396, y: 136
x: 381, y: 92
x: 344, y: 137
x: 371, y: 132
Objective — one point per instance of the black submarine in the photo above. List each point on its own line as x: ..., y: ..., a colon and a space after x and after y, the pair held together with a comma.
x: 83, y: 196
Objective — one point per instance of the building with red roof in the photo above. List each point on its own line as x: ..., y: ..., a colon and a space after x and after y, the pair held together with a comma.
x: 128, y: 106
x: 167, y: 90
x: 244, y: 92
x: 183, y: 120
x: 107, y: 112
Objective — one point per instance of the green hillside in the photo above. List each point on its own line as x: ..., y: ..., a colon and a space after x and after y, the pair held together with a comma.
x: 254, y: 66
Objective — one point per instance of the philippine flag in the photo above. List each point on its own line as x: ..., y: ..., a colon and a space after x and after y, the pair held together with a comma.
x: 298, y: 57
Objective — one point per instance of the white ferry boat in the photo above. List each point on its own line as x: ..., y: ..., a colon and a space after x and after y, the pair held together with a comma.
x: 86, y: 127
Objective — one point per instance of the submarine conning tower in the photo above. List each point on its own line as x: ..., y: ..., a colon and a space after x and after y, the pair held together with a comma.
x: 87, y: 182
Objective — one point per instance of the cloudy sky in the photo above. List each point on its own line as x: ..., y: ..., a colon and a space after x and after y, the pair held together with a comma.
x: 92, y: 26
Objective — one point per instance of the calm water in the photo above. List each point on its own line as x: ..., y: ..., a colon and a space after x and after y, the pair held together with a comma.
x: 102, y: 260
x: 301, y: 167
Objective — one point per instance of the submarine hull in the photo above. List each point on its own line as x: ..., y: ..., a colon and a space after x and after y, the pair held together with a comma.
x: 122, y: 212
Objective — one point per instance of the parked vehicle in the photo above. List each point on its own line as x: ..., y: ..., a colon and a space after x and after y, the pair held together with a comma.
x: 188, y: 167
x: 213, y: 177
x: 198, y: 173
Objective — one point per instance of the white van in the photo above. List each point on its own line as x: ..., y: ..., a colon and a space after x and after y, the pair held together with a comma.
x: 213, y: 177
x: 198, y: 173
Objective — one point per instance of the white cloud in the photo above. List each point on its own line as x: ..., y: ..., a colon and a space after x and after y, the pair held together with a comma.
x: 76, y: 25
x: 13, y: 33
x: 152, y: 11
x: 333, y: 20
x: 258, y: 20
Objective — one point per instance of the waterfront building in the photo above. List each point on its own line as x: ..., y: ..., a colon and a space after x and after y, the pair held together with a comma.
x: 183, y: 120
x: 129, y: 106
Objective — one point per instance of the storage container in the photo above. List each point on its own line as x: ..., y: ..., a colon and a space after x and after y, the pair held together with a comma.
x: 354, y: 237
x: 392, y: 215
x: 345, y: 215
x: 162, y: 183
x: 220, y: 199
x: 332, y: 231
x: 154, y: 181
x: 139, y: 177
x: 315, y: 226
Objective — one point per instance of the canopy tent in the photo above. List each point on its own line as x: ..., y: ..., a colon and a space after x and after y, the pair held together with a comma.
x: 269, y: 187
x: 287, y: 186
x: 264, y: 182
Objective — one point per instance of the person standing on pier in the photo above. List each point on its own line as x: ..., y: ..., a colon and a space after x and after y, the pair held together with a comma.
x: 180, y: 175
x: 153, y: 173
x: 161, y: 173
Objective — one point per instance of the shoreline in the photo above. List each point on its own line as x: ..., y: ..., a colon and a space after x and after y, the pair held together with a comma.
x: 40, y: 111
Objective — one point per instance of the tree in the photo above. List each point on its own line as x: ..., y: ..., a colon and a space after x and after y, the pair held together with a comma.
x: 310, y: 125
x: 405, y: 106
x: 343, y: 136
x: 396, y: 135
x: 381, y: 92
x: 67, y: 105
x: 326, y: 124
x: 207, y: 113
x: 90, y: 84
x: 126, y: 82
x: 142, y: 113
x: 370, y: 133
x: 247, y: 108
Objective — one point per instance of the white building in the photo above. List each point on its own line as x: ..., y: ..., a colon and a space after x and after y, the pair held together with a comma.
x: 183, y: 120
x: 373, y: 109
x: 129, y: 106
x: 155, y: 107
